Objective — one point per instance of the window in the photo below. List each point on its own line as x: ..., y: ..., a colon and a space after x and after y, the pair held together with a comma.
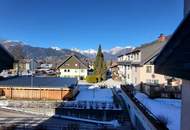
x: 135, y: 80
x: 148, y: 81
x: 156, y: 81
x: 128, y: 67
x: 65, y: 70
x: 68, y: 70
x: 128, y: 76
x: 137, y: 56
x: 149, y: 69
x: 135, y: 69
x: 131, y: 56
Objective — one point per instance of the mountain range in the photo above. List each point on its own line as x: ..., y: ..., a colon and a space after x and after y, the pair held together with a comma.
x: 21, y: 50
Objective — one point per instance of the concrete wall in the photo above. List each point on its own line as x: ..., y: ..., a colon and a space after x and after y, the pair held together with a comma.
x: 138, y: 119
x: 44, y: 94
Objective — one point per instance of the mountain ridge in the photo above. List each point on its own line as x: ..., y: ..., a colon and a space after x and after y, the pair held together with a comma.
x: 20, y: 49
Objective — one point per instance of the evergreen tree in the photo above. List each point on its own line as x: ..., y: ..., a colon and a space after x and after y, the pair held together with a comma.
x: 100, y: 67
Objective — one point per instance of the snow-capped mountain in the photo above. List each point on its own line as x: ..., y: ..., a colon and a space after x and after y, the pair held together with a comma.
x: 88, y: 51
x: 117, y: 49
x: 112, y: 51
x: 110, y: 54
x: 21, y: 49
x: 56, y: 48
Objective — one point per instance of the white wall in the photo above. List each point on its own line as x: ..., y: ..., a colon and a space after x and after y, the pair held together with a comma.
x: 74, y: 73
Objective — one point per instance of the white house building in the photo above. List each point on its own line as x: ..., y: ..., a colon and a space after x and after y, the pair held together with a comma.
x: 73, y: 67
x: 136, y: 66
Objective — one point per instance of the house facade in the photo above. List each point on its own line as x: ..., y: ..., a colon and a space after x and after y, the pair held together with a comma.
x: 136, y: 66
x: 73, y: 67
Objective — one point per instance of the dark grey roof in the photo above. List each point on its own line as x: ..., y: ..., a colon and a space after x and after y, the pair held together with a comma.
x: 39, y: 82
x: 6, y: 59
x: 149, y: 51
x: 125, y: 52
x: 77, y: 58
x: 174, y: 59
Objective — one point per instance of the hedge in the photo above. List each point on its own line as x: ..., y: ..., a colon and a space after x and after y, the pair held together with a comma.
x: 93, y: 79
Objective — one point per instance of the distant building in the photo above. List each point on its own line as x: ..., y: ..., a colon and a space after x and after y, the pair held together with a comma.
x: 73, y: 67
x: 26, y: 66
x: 46, y: 66
x: 136, y: 66
x: 115, y: 71
x: 174, y: 60
x: 6, y: 59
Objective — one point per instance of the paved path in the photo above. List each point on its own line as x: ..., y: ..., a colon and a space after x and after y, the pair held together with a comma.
x: 13, y: 118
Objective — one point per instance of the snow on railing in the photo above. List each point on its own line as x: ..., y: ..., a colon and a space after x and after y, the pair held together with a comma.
x: 90, y: 105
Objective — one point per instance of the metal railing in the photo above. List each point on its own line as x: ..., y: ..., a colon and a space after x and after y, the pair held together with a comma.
x: 149, y: 115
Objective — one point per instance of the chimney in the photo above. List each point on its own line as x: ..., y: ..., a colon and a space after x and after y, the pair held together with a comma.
x: 161, y: 38
x: 186, y: 7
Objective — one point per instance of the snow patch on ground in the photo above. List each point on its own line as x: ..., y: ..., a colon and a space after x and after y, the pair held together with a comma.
x: 169, y: 109
x: 110, y: 83
x: 113, y: 122
x: 94, y: 93
x: 4, y: 103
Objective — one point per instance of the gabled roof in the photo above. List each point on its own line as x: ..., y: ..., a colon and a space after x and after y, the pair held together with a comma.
x: 174, y: 59
x: 6, y: 59
x: 82, y: 64
x: 150, y: 51
x: 126, y: 52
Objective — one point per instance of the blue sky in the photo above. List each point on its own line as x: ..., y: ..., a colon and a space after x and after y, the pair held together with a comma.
x: 86, y: 23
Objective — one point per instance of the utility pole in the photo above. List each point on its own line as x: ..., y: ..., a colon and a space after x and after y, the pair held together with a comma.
x: 32, y: 68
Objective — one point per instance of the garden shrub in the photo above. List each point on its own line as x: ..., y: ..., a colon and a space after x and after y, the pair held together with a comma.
x: 92, y: 79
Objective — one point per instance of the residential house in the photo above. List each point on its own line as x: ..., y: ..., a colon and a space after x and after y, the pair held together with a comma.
x: 114, y: 71
x: 174, y: 60
x: 73, y: 67
x: 136, y: 66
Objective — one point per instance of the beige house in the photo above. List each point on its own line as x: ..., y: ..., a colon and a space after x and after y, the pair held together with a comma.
x: 136, y: 66
x: 73, y: 67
